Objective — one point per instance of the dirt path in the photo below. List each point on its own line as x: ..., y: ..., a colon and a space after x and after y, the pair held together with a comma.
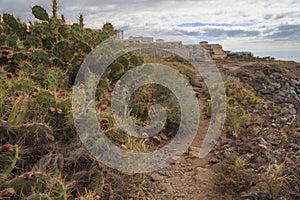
x: 190, y: 177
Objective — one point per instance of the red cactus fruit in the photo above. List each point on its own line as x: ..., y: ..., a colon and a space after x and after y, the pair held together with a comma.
x: 62, y: 94
x: 28, y: 31
x: 97, y: 197
x: 32, y: 76
x: 4, y: 51
x: 58, y: 111
x: 7, y: 147
x: 81, y: 86
x: 7, y: 192
x: 3, y: 35
x: 19, y: 93
x: 122, y: 142
x: 27, y: 176
x: 51, y: 110
x: 9, y: 75
x: 103, y: 107
x: 104, y: 121
x: 106, y: 125
x: 50, y: 138
x: 9, y: 56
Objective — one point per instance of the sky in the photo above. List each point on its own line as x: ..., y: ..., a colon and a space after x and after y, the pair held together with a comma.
x: 267, y: 28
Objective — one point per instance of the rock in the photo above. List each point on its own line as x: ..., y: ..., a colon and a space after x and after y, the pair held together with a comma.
x: 214, y: 161
x: 166, y: 187
x: 260, y: 191
x: 156, y: 177
x: 231, y: 156
x: 194, y: 152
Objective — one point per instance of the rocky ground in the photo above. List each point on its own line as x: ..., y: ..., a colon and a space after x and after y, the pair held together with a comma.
x: 261, y: 160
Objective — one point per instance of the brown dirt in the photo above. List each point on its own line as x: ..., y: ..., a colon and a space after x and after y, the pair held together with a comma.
x: 189, y: 177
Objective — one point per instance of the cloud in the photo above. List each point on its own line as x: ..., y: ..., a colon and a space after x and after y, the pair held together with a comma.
x: 286, y: 33
x: 199, y: 24
x: 257, y: 26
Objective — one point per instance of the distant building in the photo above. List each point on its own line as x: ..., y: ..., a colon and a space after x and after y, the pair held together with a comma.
x: 141, y: 39
x: 216, y: 50
x: 160, y: 41
x: 240, y: 54
x: 203, y: 49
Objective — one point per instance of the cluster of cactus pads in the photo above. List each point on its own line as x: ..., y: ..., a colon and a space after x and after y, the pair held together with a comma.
x: 38, y: 64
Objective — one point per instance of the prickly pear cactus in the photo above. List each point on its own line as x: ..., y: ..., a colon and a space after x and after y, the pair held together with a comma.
x: 11, y: 21
x: 58, y: 191
x: 42, y: 28
x: 8, y: 159
x: 84, y: 47
x: 48, y: 42
x: 21, y: 85
x: 64, y: 31
x: 18, y: 113
x: 54, y: 8
x: 31, y: 41
x: 63, y: 50
x: 46, y: 99
x: 19, y: 56
x: 40, y: 57
x: 11, y: 41
x: 28, y: 182
x: 55, y: 79
x: 40, y: 13
x: 39, y: 196
x: 77, y: 32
